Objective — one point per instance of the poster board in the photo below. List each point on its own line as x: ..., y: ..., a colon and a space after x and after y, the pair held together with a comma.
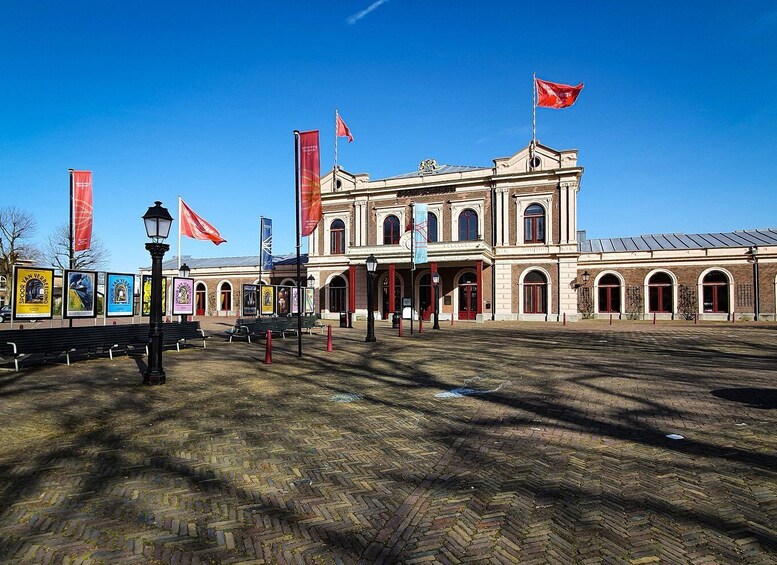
x: 295, y: 300
x: 32, y: 293
x: 79, y: 294
x: 119, y: 295
x: 249, y: 292
x: 183, y: 296
x: 310, y: 301
x: 283, y: 300
x: 267, y: 298
x: 145, y: 309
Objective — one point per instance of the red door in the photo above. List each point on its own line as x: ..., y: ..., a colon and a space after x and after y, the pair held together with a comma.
x: 468, y: 297
x: 199, y: 301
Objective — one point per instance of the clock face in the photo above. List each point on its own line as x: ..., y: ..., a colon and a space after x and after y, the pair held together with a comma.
x: 405, y: 240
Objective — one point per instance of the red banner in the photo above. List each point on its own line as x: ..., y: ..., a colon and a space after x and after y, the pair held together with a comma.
x: 554, y: 95
x: 197, y: 227
x: 310, y: 180
x: 81, y: 213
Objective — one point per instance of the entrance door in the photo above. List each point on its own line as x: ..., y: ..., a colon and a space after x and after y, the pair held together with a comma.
x: 468, y: 297
x: 425, y: 302
x: 397, y: 298
x: 199, y: 300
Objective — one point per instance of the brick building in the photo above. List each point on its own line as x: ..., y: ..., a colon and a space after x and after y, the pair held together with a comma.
x: 505, y: 243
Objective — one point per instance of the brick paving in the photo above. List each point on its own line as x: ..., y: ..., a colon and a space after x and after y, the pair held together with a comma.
x: 554, y: 452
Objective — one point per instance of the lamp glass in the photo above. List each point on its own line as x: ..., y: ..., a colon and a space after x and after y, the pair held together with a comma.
x: 372, y: 263
x: 151, y: 227
x: 586, y: 276
x: 184, y: 270
x: 311, y: 281
x: 436, y: 278
x: 158, y: 221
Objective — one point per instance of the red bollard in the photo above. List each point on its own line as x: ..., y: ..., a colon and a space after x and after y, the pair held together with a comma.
x: 654, y: 318
x: 268, y: 349
x: 565, y: 318
x: 610, y: 319
x: 21, y: 326
x: 114, y: 322
x: 451, y: 318
x: 733, y: 317
x: 329, y: 337
x: 420, y: 324
x: 400, y: 327
x: 696, y: 318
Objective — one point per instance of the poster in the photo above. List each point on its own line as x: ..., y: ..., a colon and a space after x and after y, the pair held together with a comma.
x: 249, y: 300
x: 79, y: 298
x: 310, y: 301
x: 33, y: 297
x: 284, y: 296
x: 146, y: 302
x: 295, y: 300
x: 183, y: 296
x: 267, y: 296
x: 119, y: 295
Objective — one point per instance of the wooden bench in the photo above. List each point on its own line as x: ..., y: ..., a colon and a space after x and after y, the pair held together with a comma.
x: 181, y: 333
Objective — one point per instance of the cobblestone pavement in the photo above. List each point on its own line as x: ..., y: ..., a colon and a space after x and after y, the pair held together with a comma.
x: 508, y: 443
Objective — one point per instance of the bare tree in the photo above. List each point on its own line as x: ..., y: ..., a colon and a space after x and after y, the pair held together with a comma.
x: 58, y: 251
x: 16, y: 228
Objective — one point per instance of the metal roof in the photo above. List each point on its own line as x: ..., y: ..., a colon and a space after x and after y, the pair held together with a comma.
x: 442, y: 169
x: 245, y: 261
x: 670, y: 241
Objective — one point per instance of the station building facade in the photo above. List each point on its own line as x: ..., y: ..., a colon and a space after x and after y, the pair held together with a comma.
x: 505, y: 243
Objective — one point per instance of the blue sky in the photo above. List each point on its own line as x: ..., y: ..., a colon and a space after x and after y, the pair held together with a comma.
x: 675, y: 126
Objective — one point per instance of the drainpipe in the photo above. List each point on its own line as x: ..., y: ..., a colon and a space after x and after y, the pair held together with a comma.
x: 493, y: 250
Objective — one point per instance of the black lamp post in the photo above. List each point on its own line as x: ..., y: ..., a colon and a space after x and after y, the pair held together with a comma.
x: 753, y: 258
x: 158, y: 221
x: 586, y: 277
x: 184, y: 271
x: 436, y: 282
x: 372, y: 266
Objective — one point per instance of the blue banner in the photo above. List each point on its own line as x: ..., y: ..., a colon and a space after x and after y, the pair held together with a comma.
x: 266, y: 247
x: 420, y: 229
x: 119, y: 294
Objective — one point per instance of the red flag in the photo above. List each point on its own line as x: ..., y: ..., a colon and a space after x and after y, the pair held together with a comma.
x: 81, y: 209
x: 342, y: 129
x: 553, y: 95
x: 197, y: 227
x: 310, y: 180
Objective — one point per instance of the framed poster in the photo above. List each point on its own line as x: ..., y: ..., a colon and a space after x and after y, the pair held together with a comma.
x: 119, y: 294
x: 32, y: 294
x: 283, y: 300
x: 146, y: 298
x: 183, y: 296
x: 79, y: 294
x: 267, y: 297
x: 295, y: 300
x: 249, y: 300
x: 310, y: 300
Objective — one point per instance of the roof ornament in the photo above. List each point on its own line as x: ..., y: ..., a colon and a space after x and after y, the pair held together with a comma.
x: 428, y: 167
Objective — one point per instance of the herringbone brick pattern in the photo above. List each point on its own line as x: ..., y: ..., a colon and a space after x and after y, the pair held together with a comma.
x: 556, y: 453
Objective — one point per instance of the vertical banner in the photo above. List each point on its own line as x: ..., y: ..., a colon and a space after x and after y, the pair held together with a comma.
x: 421, y: 232
x: 183, y: 296
x: 79, y: 298
x: 310, y: 301
x: 146, y: 298
x: 266, y: 247
x: 267, y: 297
x: 284, y: 296
x: 249, y: 300
x: 310, y: 181
x: 294, y: 300
x: 119, y: 295
x: 33, y: 296
x: 81, y: 213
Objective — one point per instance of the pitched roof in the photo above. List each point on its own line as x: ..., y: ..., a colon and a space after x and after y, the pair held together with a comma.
x: 670, y: 241
x: 245, y: 261
x: 441, y: 170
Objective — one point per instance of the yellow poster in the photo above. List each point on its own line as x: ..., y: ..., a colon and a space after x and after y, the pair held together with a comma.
x: 33, y: 296
x: 267, y: 297
x: 146, y: 298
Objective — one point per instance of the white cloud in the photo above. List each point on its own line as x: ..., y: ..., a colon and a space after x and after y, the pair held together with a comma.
x: 359, y: 15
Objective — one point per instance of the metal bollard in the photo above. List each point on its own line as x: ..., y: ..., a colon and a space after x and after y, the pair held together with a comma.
x: 420, y: 324
x: 268, y: 349
x: 329, y: 337
x: 400, y: 327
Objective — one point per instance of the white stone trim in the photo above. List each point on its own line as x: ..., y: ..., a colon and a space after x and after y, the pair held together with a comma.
x: 325, y: 286
x: 219, y: 287
x: 646, y: 293
x: 548, y: 291
x: 622, y: 281
x: 437, y: 210
x: 380, y: 216
x: 203, y: 283
x: 327, y: 223
x: 700, y: 291
x: 524, y: 201
x: 457, y: 207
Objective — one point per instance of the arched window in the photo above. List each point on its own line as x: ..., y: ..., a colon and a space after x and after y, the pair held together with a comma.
x: 534, y: 224
x: 432, y: 227
x: 337, y: 238
x: 391, y: 230
x: 225, y: 297
x: 535, y: 293
x: 715, y: 292
x: 468, y: 225
x: 609, y: 294
x: 337, y: 295
x: 200, y: 298
x: 660, y: 293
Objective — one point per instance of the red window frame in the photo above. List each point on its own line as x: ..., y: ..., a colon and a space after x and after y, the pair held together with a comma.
x: 391, y: 230
x: 337, y: 238
x: 534, y: 224
x: 468, y: 225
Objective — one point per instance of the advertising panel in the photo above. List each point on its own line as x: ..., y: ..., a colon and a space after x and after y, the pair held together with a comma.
x: 183, y: 296
x: 295, y: 300
x: 267, y: 296
x: 249, y: 300
x: 33, y: 297
x: 119, y: 295
x: 283, y: 301
x: 146, y: 302
x: 79, y: 296
x: 310, y: 301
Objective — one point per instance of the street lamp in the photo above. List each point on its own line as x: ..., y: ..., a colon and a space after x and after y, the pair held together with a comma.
x: 753, y: 258
x: 436, y: 282
x: 158, y: 221
x: 184, y: 271
x: 586, y: 277
x: 311, y: 281
x: 372, y: 266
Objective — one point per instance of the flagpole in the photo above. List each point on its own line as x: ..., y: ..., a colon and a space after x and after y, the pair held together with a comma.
x: 71, y: 250
x: 334, y: 169
x: 261, y: 247
x: 412, y: 265
x: 179, y: 233
x: 299, y: 214
x: 533, y: 117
